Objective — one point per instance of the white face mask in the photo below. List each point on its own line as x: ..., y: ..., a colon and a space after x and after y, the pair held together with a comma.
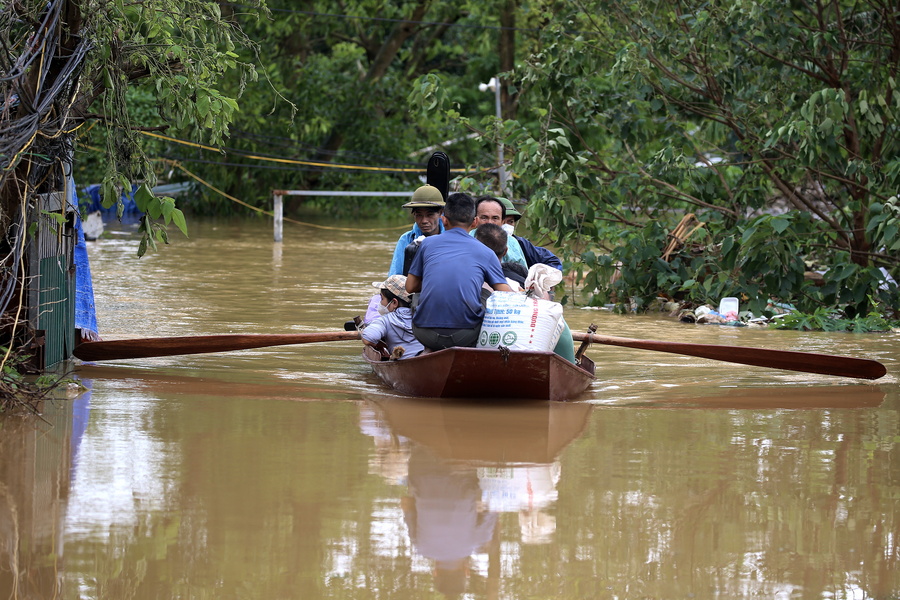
x: 382, y: 309
x: 507, y: 228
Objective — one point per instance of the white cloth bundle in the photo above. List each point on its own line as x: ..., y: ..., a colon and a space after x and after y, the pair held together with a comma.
x: 541, y: 279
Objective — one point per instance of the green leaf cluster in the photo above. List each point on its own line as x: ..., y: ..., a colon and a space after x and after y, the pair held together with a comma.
x: 155, y: 65
x: 775, y: 125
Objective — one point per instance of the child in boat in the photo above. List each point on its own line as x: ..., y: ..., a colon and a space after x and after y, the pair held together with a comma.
x: 394, y: 326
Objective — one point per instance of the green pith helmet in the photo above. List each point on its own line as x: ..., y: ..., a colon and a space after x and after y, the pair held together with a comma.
x: 510, y: 208
x: 426, y: 196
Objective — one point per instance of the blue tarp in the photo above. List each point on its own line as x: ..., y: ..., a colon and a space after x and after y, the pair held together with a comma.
x: 85, y: 313
x: 90, y: 198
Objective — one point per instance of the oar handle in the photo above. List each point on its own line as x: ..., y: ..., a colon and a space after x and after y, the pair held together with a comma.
x: 200, y: 344
x: 789, y: 360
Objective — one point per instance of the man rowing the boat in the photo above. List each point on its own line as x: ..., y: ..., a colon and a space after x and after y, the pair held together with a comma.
x: 426, y: 206
x: 449, y: 270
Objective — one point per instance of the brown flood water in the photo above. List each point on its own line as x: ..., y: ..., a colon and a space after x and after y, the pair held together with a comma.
x: 290, y: 472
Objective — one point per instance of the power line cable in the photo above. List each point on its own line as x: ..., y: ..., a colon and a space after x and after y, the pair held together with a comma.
x: 324, y: 165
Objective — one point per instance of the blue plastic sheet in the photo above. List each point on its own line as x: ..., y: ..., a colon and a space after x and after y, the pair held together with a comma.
x: 85, y: 312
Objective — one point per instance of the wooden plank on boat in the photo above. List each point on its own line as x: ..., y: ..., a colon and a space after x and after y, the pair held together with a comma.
x: 484, y: 373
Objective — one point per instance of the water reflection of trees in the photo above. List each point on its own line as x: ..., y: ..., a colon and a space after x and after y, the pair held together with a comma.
x: 735, y: 503
x: 740, y: 503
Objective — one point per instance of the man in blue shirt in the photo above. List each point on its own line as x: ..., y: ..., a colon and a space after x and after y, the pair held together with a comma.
x: 426, y: 206
x: 449, y: 270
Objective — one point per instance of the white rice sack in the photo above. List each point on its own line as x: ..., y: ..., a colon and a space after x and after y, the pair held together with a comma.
x: 520, y: 323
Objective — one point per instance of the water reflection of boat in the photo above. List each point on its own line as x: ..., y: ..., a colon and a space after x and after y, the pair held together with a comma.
x: 485, y: 373
x: 467, y: 464
x: 488, y: 433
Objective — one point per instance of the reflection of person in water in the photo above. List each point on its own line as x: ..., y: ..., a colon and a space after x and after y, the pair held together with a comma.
x: 391, y: 451
x: 446, y: 519
x: 528, y: 490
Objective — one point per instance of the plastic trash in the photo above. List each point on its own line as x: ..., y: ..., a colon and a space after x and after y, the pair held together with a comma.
x: 701, y: 310
x: 728, y: 308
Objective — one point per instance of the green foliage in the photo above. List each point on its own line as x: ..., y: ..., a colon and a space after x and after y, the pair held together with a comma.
x: 777, y: 127
x: 884, y: 225
x: 158, y: 63
x: 339, y: 82
x: 155, y: 208
x: 829, y: 319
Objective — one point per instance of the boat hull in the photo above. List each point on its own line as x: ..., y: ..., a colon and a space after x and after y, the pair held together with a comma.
x: 484, y: 373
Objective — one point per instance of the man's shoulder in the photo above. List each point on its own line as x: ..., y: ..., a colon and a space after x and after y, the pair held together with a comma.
x: 407, y: 237
x: 445, y: 238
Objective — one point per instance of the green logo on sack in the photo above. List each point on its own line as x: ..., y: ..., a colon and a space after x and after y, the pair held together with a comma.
x: 493, y: 339
x: 483, y: 339
x: 509, y: 338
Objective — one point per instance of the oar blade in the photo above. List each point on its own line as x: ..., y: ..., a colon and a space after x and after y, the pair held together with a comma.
x: 788, y: 360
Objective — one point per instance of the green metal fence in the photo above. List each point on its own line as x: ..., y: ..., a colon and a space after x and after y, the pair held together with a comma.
x: 56, y: 316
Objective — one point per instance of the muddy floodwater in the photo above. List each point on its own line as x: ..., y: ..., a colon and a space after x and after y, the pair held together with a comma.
x: 291, y: 472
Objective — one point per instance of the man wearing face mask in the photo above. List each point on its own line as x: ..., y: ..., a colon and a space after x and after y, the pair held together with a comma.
x: 394, y: 327
x: 533, y: 254
x: 489, y: 210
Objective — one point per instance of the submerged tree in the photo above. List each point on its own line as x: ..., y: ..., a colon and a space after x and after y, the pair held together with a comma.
x: 775, y: 123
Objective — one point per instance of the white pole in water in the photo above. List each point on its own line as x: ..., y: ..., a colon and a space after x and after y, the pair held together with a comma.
x: 278, y: 204
x: 279, y: 216
x: 494, y: 86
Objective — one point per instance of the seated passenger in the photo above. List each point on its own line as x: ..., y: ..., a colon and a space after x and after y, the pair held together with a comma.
x: 426, y: 206
x: 394, y: 328
x: 449, y: 269
x: 489, y: 210
x: 533, y: 254
x: 495, y: 238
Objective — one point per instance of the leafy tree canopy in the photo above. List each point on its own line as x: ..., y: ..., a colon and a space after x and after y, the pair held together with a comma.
x: 774, y: 123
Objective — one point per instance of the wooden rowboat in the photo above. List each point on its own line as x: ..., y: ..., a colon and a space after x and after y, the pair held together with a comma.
x: 485, y: 373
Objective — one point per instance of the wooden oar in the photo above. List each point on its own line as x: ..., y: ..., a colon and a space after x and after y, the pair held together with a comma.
x: 199, y: 344
x: 806, y: 362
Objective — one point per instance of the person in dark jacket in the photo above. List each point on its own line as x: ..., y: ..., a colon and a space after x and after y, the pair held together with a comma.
x: 533, y: 254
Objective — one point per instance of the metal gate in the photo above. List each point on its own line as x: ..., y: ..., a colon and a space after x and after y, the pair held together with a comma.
x: 52, y: 278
